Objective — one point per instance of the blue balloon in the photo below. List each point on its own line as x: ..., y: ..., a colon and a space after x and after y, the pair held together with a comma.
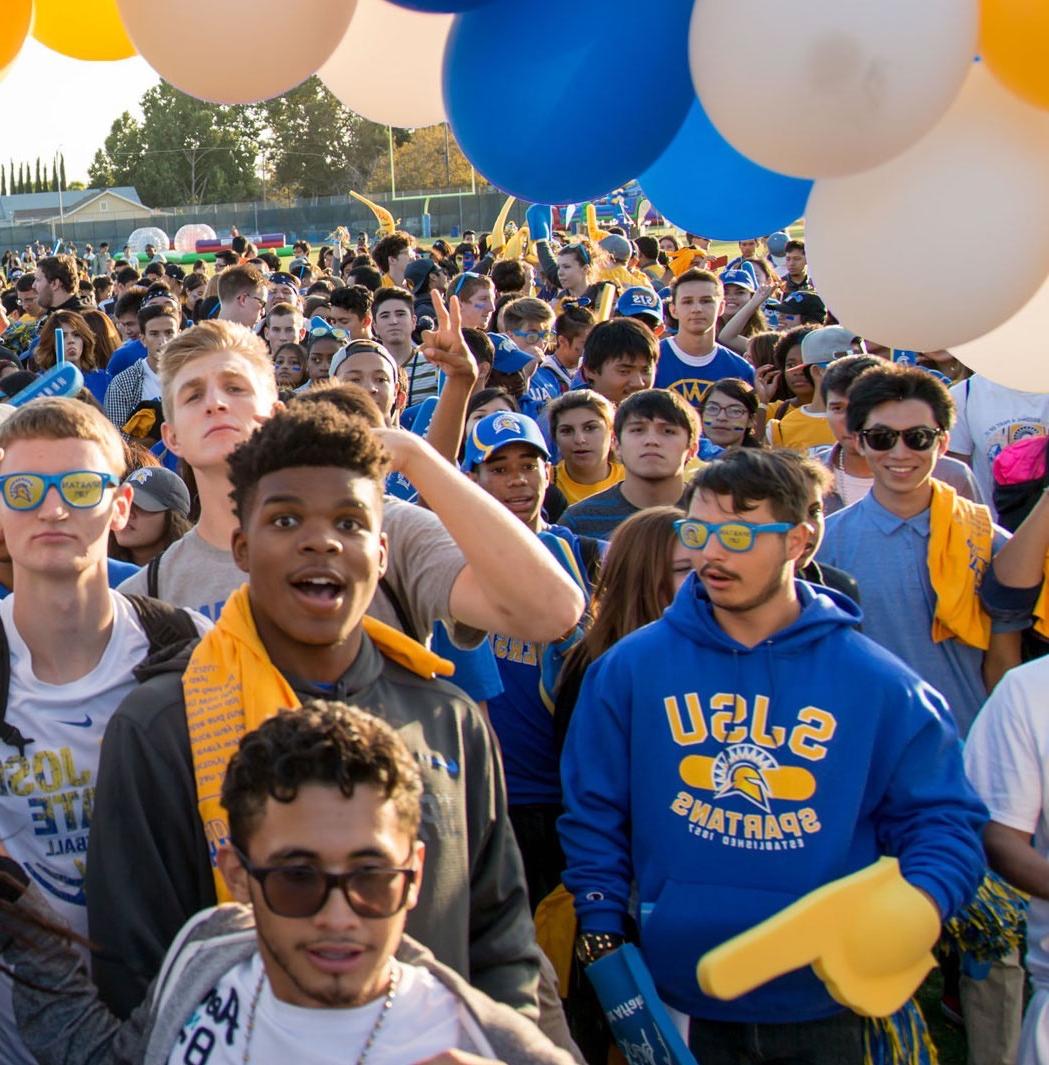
x: 565, y: 122
x: 446, y: 7
x: 703, y: 185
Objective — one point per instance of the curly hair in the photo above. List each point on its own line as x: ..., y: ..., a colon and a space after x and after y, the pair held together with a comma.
x: 322, y: 742
x: 305, y: 435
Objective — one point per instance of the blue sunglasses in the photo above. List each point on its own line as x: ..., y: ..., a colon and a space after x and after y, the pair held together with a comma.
x: 738, y: 536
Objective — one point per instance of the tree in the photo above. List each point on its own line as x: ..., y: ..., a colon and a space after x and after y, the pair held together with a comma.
x: 11, y: 184
x: 183, y: 151
x: 430, y: 159
x: 38, y: 181
x: 62, y: 171
x: 314, y: 146
x: 21, y: 178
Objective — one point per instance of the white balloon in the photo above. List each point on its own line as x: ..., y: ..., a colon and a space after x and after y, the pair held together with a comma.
x: 1014, y: 353
x: 187, y: 236
x: 148, y: 235
x: 388, y: 65
x: 899, y: 253
x: 829, y: 87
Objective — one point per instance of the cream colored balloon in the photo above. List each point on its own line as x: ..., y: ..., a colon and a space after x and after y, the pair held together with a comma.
x: 231, y: 52
x: 900, y: 252
x: 1014, y: 353
x: 829, y: 87
x: 388, y: 66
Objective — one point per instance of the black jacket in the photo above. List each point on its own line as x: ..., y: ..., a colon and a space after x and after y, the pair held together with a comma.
x: 150, y: 869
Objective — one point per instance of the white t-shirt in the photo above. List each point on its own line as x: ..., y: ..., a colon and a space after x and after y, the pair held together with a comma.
x: 150, y: 382
x: 45, y: 797
x: 1007, y: 762
x: 991, y: 417
x: 425, y: 1019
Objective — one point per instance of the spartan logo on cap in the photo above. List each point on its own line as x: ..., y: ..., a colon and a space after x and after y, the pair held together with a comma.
x: 140, y: 476
x: 506, y: 422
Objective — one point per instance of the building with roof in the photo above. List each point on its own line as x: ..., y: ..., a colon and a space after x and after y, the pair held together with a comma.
x: 73, y: 205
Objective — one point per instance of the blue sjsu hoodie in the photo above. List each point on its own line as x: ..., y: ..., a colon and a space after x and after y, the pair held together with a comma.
x: 729, y: 781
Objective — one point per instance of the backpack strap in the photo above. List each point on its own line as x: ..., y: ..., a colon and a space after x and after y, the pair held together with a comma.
x: 403, y: 617
x: 590, y: 549
x: 153, y: 577
x: 9, y: 734
x: 165, y: 625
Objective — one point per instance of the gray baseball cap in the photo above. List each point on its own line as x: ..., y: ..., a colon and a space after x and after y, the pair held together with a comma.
x: 158, y: 488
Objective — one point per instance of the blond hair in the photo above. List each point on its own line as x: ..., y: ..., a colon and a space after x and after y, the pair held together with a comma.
x: 65, y: 419
x: 211, y: 338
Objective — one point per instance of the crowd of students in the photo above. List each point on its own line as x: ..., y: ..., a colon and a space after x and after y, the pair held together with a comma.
x: 382, y: 598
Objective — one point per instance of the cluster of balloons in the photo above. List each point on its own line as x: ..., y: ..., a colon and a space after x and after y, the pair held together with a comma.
x: 874, y: 122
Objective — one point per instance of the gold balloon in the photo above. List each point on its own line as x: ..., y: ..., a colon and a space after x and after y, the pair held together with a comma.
x: 268, y: 46
x: 1013, y: 35
x: 18, y: 17
x: 83, y: 29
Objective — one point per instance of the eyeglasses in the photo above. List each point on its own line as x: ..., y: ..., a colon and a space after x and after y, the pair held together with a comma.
x: 333, y: 331
x: 258, y: 299
x: 534, y: 336
x: 735, y: 536
x: 303, y: 890
x: 919, y: 438
x: 81, y: 489
x: 733, y: 410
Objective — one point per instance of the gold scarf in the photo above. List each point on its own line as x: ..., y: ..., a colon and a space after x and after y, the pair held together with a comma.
x: 231, y: 686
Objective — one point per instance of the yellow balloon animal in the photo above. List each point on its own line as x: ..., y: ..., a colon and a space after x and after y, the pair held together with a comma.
x: 82, y: 29
x: 386, y: 223
x: 868, y: 936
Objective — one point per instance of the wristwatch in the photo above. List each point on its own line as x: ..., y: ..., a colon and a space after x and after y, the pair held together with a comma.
x: 13, y: 880
x: 589, y: 946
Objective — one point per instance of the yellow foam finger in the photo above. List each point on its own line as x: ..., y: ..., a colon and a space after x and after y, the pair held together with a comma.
x: 868, y: 937
x: 497, y: 239
x: 593, y: 230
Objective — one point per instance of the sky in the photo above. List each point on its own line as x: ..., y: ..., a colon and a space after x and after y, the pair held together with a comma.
x: 52, y: 103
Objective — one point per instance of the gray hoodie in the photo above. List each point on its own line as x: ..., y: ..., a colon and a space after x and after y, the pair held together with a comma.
x: 63, y: 1021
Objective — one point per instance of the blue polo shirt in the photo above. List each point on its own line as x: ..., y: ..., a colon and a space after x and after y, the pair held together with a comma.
x: 888, y: 556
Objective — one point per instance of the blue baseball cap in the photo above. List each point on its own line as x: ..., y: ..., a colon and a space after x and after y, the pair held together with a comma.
x: 640, y: 300
x: 742, y: 278
x: 509, y: 358
x: 496, y: 431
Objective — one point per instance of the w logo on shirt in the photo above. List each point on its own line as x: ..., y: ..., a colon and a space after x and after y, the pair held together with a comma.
x: 691, y: 389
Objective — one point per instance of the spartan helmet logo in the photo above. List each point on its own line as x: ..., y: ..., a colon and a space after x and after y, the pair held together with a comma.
x: 506, y: 423
x: 740, y: 770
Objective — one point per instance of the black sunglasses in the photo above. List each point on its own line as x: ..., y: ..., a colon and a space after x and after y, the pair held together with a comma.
x: 303, y: 890
x: 920, y: 438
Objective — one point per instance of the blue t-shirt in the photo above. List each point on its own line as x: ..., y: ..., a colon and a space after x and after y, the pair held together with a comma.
x: 522, y: 722
x: 126, y: 355
x: 475, y: 669
x: 690, y: 375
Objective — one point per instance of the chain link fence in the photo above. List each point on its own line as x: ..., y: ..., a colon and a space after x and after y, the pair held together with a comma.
x: 307, y: 219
